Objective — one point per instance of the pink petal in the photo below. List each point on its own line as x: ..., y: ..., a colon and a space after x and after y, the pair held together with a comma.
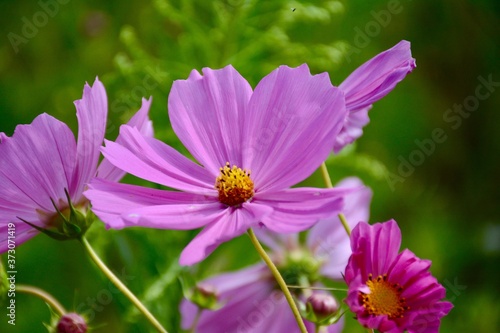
x: 329, y: 240
x: 10, y: 211
x: 380, y: 245
x: 227, y: 282
x: 36, y: 165
x: 155, y: 161
x: 189, y: 312
x: 298, y: 209
x: 369, y: 83
x: 386, y: 244
x: 277, y: 242
x: 144, y: 125
x: 375, y: 247
x: 191, y: 214
x: 428, y: 320
x: 293, y: 119
x: 92, y: 111
x: 207, y: 113
x: 233, y: 223
x: 377, y: 77
x: 123, y: 205
x: 352, y: 129
x: 407, y: 266
x: 243, y: 302
x: 252, y: 303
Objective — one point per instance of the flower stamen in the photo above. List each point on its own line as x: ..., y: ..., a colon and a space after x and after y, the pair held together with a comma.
x: 384, y: 298
x: 234, y: 185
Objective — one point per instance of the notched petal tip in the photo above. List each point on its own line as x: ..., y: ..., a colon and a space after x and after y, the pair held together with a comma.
x: 3, y: 137
x: 194, y: 75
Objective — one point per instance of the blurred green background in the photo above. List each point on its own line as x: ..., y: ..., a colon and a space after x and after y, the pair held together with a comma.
x: 447, y: 204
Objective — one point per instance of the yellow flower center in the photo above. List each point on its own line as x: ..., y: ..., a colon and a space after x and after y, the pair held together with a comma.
x: 384, y: 298
x: 234, y: 185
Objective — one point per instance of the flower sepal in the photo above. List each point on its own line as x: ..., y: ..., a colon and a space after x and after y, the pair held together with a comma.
x: 69, y: 223
x: 204, y: 295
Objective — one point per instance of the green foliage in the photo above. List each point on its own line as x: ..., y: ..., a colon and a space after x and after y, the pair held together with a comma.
x: 446, y: 208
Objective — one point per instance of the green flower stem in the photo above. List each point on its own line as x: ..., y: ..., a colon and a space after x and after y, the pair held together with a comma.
x: 345, y: 224
x: 45, y: 296
x: 326, y: 175
x: 317, y: 328
x: 121, y: 286
x: 328, y: 183
x: 279, y: 279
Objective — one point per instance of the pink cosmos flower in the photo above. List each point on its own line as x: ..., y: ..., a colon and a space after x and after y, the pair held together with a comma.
x: 42, y: 161
x: 390, y: 291
x: 252, y: 301
x: 369, y: 83
x: 252, y: 146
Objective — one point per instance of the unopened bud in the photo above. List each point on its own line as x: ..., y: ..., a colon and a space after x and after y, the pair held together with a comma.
x: 71, y: 323
x: 323, y: 305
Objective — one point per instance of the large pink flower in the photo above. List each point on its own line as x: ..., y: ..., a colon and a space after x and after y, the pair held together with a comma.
x: 42, y: 161
x: 390, y: 291
x: 252, y: 301
x: 252, y: 146
x: 369, y: 83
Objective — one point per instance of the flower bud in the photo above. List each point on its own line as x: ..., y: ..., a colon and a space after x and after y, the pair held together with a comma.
x: 321, y: 309
x: 71, y: 323
x: 323, y: 305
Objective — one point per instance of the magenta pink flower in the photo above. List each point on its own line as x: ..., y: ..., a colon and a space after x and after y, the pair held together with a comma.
x: 369, y: 83
x: 390, y: 291
x: 42, y: 161
x: 252, y: 146
x: 252, y: 301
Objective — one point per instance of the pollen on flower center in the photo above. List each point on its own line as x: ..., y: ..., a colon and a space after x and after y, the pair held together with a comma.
x: 234, y: 185
x: 384, y: 298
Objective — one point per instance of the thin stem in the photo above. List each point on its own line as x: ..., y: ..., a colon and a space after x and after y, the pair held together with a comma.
x: 328, y: 183
x: 121, y: 286
x: 345, y: 224
x: 48, y: 298
x: 326, y: 175
x: 316, y: 328
x: 279, y: 279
